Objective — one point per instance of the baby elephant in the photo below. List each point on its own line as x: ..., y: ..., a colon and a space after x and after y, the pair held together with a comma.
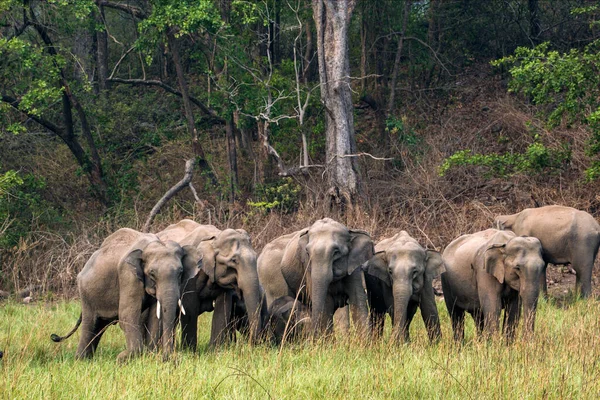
x: 567, y: 236
x: 131, y: 272
x: 288, y: 318
x: 399, y: 279
x: 489, y: 271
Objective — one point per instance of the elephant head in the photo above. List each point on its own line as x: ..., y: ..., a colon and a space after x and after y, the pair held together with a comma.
x: 403, y: 265
x: 229, y: 260
x: 288, y: 318
x: 518, y: 263
x: 323, y: 254
x: 163, y: 268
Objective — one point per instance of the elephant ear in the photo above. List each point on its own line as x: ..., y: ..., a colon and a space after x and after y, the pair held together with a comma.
x: 133, y: 259
x: 209, y: 255
x: 377, y: 266
x: 361, y: 250
x: 435, y: 265
x: 192, y: 262
x: 295, y: 251
x: 493, y: 261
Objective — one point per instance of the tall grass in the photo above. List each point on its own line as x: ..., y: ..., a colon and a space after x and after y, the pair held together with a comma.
x: 561, y: 361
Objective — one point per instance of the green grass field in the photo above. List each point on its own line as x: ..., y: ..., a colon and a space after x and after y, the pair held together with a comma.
x: 562, y: 361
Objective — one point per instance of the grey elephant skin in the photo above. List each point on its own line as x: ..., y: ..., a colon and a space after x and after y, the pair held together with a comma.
x: 489, y: 271
x: 568, y: 236
x: 228, y: 277
x: 288, y: 320
x: 399, y: 280
x: 320, y: 266
x: 131, y: 272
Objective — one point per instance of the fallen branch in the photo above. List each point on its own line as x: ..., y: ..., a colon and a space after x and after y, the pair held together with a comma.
x: 187, y: 178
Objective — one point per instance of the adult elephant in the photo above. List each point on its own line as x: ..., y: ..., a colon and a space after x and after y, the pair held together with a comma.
x: 489, y: 271
x: 228, y: 277
x: 567, y: 235
x: 128, y: 274
x: 399, y: 280
x: 319, y: 265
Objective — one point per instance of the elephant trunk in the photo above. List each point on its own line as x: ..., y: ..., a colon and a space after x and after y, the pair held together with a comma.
x: 402, y: 294
x: 529, y: 298
x: 168, y: 309
x: 250, y: 288
x: 321, y: 277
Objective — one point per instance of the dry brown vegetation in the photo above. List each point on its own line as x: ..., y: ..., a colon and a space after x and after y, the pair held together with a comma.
x: 476, y: 114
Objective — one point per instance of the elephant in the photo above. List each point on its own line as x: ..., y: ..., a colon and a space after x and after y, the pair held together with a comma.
x: 320, y: 266
x: 489, y: 271
x: 128, y: 274
x: 289, y: 319
x: 228, y: 279
x: 567, y: 235
x: 399, y: 280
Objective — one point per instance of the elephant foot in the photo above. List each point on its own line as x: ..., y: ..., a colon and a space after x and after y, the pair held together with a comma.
x: 126, y: 356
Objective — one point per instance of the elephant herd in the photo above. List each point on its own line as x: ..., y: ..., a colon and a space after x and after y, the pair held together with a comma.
x: 150, y: 283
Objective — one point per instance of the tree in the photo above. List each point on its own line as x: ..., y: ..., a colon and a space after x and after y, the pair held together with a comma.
x: 332, y: 20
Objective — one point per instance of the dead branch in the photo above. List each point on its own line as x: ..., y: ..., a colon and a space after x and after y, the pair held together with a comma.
x: 143, y: 82
x: 187, y: 178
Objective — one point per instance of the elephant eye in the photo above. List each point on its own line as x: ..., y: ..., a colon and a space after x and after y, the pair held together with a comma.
x: 517, y: 267
x: 234, y: 260
x: 152, y: 274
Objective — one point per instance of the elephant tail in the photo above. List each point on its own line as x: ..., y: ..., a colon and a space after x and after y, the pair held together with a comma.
x: 57, y: 339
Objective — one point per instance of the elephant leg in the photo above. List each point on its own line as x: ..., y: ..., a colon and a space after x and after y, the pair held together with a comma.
x: 129, y: 321
x: 583, y: 265
x: 88, y: 340
x: 544, y: 283
x: 491, y: 307
x: 457, y: 318
x: 377, y: 322
x: 341, y: 320
x: 354, y: 286
x: 512, y: 313
x: 189, y: 323
x: 221, y: 331
x: 429, y: 313
x: 152, y: 328
x: 479, y: 321
x: 411, y: 310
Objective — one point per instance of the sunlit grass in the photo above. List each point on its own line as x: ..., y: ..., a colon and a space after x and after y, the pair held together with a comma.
x: 562, y: 361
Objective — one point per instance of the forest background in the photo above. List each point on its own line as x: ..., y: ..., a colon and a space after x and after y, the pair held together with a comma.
x: 460, y: 110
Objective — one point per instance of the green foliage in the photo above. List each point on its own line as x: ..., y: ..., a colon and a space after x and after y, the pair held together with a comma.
x: 283, y: 196
x: 22, y: 206
x: 568, y: 84
x: 536, y: 159
x: 28, y: 70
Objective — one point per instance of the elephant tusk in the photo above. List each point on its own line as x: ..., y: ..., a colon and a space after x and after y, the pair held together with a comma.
x: 181, y: 307
x: 157, y: 309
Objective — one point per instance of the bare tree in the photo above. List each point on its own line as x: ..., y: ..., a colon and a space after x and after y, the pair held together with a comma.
x: 332, y: 19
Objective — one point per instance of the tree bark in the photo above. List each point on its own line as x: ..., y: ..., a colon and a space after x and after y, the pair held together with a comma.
x: 392, y: 98
x: 101, y: 52
x: 332, y: 19
x: 189, y: 112
x: 232, y: 156
x: 185, y: 181
x: 534, y: 21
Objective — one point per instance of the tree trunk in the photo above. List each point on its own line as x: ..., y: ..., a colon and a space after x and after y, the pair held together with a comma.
x: 392, y: 98
x: 102, y: 52
x: 189, y: 112
x: 232, y: 155
x: 332, y: 19
x: 534, y: 21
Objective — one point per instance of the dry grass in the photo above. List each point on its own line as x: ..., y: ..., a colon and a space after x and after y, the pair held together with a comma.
x: 561, y: 361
